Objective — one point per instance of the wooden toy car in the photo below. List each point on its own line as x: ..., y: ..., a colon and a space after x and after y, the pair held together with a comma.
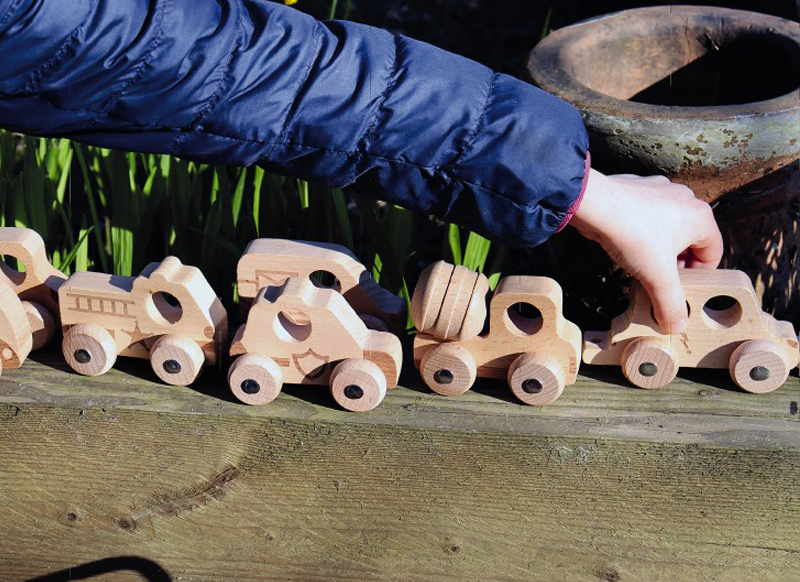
x: 169, y: 314
x: 16, y: 339
x: 726, y: 329
x: 267, y: 262
x: 528, y: 342
x: 303, y: 334
x: 37, y: 285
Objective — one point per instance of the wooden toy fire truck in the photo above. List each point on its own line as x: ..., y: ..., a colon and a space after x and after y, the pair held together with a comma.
x: 169, y: 314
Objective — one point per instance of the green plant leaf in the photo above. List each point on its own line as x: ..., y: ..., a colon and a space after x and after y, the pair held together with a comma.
x: 454, y: 240
x: 66, y: 262
x: 476, y: 252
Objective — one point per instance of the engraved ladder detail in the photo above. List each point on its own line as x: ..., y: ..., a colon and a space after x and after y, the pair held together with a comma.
x: 101, y: 305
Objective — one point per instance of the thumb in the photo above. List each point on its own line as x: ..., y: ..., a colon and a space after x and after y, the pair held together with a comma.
x: 669, y: 301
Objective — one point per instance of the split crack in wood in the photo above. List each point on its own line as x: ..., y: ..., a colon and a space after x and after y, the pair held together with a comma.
x: 189, y: 501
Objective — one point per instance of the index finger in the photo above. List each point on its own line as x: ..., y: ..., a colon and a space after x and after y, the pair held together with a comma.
x: 706, y: 249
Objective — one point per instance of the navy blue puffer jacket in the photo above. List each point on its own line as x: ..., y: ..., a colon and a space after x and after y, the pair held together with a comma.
x: 250, y: 81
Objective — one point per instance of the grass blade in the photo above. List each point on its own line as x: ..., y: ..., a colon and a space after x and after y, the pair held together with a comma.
x: 87, y: 188
x: 476, y: 252
x: 258, y: 178
x: 498, y: 264
x: 454, y: 240
x: 238, y: 194
x: 66, y: 262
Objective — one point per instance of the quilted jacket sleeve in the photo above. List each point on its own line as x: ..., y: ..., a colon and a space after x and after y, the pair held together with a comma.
x: 250, y: 81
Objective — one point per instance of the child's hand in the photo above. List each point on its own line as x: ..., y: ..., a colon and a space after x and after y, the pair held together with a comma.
x: 650, y: 227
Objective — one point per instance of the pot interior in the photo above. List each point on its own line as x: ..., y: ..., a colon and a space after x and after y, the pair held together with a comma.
x: 685, y: 62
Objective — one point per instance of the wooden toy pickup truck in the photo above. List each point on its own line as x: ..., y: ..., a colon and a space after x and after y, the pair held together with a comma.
x: 169, y: 314
x: 528, y: 342
x: 727, y: 329
x: 37, y: 285
x: 270, y: 262
x: 302, y: 334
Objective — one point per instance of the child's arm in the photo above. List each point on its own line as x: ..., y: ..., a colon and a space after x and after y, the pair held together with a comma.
x: 249, y: 81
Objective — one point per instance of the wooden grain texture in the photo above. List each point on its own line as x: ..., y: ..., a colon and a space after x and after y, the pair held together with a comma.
x: 649, y: 362
x: 452, y: 321
x: 536, y: 379
x: 448, y: 369
x: 696, y: 481
x: 755, y: 359
x: 89, y: 349
x: 426, y: 301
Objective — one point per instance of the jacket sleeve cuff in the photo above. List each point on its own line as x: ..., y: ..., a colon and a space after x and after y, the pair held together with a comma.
x: 587, y: 166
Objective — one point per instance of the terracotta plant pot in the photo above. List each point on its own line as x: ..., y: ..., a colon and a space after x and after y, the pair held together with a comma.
x: 707, y: 96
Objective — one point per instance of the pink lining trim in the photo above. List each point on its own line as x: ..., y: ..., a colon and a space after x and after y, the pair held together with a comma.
x: 577, y: 204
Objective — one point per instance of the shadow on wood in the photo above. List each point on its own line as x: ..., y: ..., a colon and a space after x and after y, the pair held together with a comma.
x: 147, y: 569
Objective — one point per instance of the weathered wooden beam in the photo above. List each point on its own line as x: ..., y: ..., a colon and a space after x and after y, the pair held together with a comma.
x: 696, y: 481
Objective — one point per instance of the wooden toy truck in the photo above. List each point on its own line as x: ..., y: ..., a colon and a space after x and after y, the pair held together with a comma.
x: 37, y: 285
x: 169, y: 314
x: 538, y: 352
x: 727, y: 329
x: 300, y: 333
x: 270, y: 262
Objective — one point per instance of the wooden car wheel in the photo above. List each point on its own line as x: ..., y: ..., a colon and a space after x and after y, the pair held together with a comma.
x: 448, y: 369
x: 43, y: 326
x: 255, y: 379
x: 89, y: 349
x: 649, y: 362
x: 358, y: 385
x: 758, y: 366
x: 177, y: 359
x: 536, y: 379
